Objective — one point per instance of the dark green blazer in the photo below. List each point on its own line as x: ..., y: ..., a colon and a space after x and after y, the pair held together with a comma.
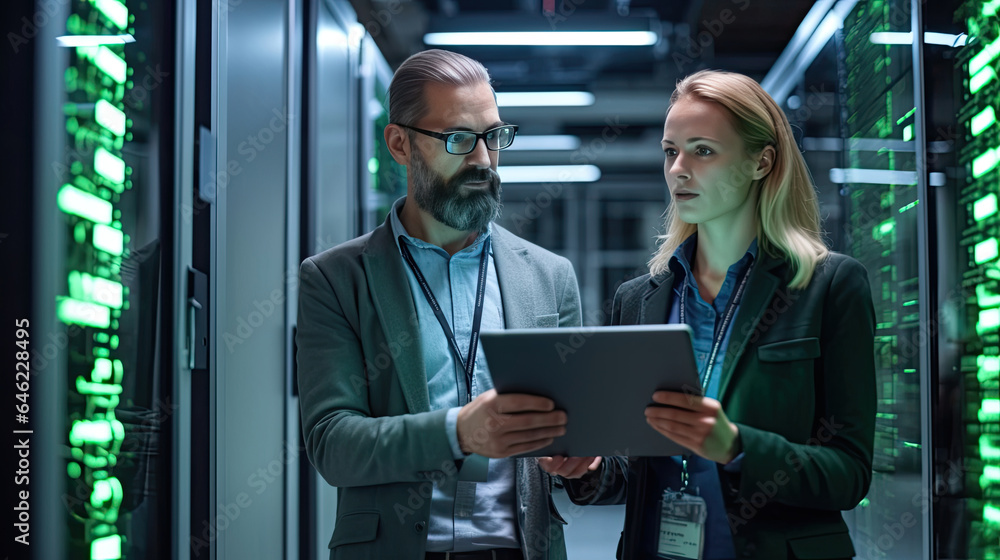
x: 798, y: 379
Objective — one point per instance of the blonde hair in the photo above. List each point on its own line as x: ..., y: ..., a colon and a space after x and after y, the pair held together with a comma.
x: 787, y: 207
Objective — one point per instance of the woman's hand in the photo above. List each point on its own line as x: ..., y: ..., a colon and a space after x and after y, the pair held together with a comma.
x: 697, y: 423
x: 569, y: 467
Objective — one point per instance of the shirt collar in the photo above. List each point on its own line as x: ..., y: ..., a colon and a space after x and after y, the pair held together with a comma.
x: 398, y: 230
x: 680, y: 261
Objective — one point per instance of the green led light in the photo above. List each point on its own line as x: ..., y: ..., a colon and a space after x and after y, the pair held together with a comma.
x: 84, y: 287
x: 114, y: 341
x: 373, y: 165
x: 986, y: 298
x: 982, y: 78
x: 109, y: 166
x: 990, y: 8
x: 101, y: 371
x: 111, y: 64
x: 983, y: 120
x: 986, y: 250
x: 115, y: 11
x: 911, y: 445
x: 909, y: 206
x: 887, y: 226
x: 989, y: 368
x: 906, y: 116
x: 109, y: 239
x: 991, y: 515
x: 984, y: 207
x: 985, y: 57
x: 988, y: 447
x: 106, y: 548
x: 989, y: 411
x: 90, y: 431
x: 984, y: 163
x: 73, y: 311
x: 72, y: 200
x: 108, y: 116
x: 908, y: 133
x: 991, y: 475
x: 73, y: 470
x: 989, y: 320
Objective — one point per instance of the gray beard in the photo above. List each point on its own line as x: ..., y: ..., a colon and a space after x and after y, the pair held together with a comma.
x: 468, y: 210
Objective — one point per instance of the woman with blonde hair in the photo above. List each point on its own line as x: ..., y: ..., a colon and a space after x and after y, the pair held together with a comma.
x: 783, y: 333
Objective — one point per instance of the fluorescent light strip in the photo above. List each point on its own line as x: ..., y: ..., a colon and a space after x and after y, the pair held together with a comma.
x: 109, y: 166
x: 872, y: 176
x: 549, y: 173
x: 545, y: 142
x: 545, y: 38
x: 115, y: 11
x: 93, y: 40
x: 545, y: 99
x: 906, y: 38
x: 111, y: 64
x: 110, y: 117
x: 72, y: 200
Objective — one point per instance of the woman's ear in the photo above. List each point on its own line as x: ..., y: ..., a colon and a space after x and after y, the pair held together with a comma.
x: 765, y: 162
x: 398, y: 142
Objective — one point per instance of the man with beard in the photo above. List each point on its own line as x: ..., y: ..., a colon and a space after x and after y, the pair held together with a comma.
x: 398, y: 409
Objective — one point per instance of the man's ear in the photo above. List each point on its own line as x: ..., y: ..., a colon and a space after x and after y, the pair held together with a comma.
x: 765, y: 162
x: 398, y: 142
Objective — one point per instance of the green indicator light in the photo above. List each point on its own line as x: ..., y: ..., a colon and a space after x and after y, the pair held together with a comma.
x: 983, y: 120
x: 108, y: 116
x: 991, y: 475
x: 115, y: 11
x: 106, y: 548
x: 986, y: 250
x: 908, y: 206
x: 109, y: 166
x: 908, y: 133
x: 909, y: 303
x: 985, y: 57
x: 991, y: 515
x: 989, y: 447
x: 906, y: 116
x: 80, y: 232
x: 72, y: 200
x: 984, y: 163
x: 989, y: 320
x: 990, y: 8
x: 989, y: 368
x: 989, y: 411
x: 373, y: 166
x: 114, y: 342
x: 109, y: 239
x: 985, y: 207
x: 981, y: 78
x: 84, y: 287
x: 907, y: 370
x: 90, y: 431
x: 111, y: 64
x: 101, y: 371
x: 887, y: 226
x: 986, y: 298
x: 73, y: 470
x: 865, y: 502
x: 74, y: 311
x: 911, y: 444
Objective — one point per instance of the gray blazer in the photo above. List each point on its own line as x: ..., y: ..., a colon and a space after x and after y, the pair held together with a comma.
x: 365, y: 409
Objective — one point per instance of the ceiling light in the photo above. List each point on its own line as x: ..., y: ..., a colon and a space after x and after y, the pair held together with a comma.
x: 93, y: 40
x: 544, y: 38
x: 545, y: 142
x: 872, y: 176
x: 930, y: 38
x: 549, y: 173
x: 545, y: 99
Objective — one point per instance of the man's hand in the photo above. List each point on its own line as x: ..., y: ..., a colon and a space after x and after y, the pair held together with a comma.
x: 499, y: 426
x: 569, y: 467
x: 697, y: 423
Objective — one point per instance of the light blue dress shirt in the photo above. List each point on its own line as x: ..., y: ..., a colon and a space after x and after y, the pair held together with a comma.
x: 703, y: 317
x: 464, y: 515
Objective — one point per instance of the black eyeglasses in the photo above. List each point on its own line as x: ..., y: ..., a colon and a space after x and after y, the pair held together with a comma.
x: 463, y: 142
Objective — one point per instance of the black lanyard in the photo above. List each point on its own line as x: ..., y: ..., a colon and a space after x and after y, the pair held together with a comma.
x: 720, y: 331
x: 468, y: 364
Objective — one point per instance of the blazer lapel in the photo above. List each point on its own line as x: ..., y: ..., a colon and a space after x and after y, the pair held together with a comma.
x: 655, y: 306
x: 386, y: 277
x: 516, y: 293
x: 760, y: 290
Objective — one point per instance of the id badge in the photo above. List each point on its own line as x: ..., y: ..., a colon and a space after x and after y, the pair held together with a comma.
x: 682, y: 526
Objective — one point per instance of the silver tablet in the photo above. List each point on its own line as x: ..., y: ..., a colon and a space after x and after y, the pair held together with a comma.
x: 603, y: 377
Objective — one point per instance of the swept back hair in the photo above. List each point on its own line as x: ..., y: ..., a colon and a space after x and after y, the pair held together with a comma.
x: 407, y: 104
x: 787, y: 208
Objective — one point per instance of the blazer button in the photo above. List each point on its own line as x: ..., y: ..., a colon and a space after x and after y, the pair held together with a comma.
x: 419, y: 526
